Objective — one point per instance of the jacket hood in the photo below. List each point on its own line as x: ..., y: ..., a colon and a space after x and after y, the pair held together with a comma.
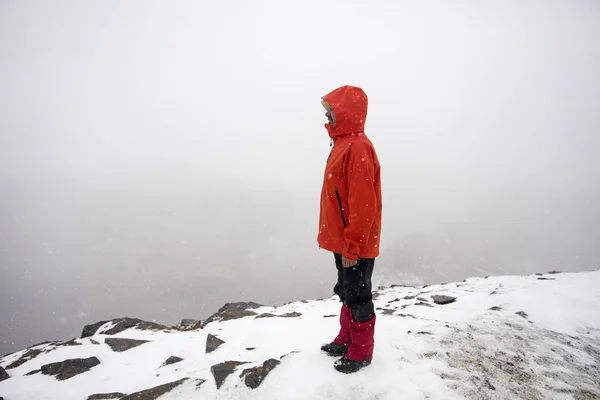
x: 349, y: 103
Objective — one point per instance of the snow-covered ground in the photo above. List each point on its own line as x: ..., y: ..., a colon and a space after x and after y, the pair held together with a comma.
x: 519, y: 337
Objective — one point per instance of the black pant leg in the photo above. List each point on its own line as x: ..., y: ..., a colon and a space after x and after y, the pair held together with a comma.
x: 355, y: 288
x: 340, y: 281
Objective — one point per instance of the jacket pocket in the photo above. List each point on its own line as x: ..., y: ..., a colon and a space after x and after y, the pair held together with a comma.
x: 339, y: 200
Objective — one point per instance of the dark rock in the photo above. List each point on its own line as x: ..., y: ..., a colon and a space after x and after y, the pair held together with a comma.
x: 35, y: 371
x: 223, y: 370
x: 212, y: 343
x: 199, y: 382
x: 286, y: 315
x: 250, y: 348
x: 72, y: 342
x: 522, y: 314
x: 121, y: 324
x: 496, y: 308
x: 106, y: 396
x: 119, y: 344
x: 126, y: 323
x: 409, y: 297
x: 393, y: 301
x: 172, y: 360
x: 3, y: 375
x: 543, y: 278
x: 388, y: 311
x: 265, y: 315
x: 291, y: 315
x: 90, y: 330
x: 441, y: 299
x: 424, y: 333
x: 253, y: 377
x: 423, y: 304
x: 232, y: 311
x: 422, y: 299
x: 155, y: 392
x: 188, y: 325
x: 554, y: 272
x: 405, y: 315
x: 494, y: 292
x: 69, y: 368
x: 329, y: 316
x: 29, y: 355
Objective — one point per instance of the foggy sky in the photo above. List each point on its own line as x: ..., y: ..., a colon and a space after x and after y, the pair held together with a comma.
x: 160, y: 159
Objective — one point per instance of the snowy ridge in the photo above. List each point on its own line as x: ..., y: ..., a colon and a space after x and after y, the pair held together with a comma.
x: 516, y: 337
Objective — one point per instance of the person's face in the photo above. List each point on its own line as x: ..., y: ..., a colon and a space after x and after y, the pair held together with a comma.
x: 329, y: 112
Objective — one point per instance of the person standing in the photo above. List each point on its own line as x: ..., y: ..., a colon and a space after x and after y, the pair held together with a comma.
x: 350, y: 224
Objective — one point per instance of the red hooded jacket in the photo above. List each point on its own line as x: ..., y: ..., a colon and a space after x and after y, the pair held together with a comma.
x: 350, y: 220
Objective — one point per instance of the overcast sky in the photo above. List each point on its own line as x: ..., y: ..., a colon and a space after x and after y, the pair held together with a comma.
x: 158, y: 159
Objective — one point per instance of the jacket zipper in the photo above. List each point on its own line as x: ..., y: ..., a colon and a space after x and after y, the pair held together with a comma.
x: 339, y: 200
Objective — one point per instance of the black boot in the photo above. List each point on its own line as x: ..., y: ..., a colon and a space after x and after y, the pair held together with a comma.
x: 350, y: 366
x: 334, y: 349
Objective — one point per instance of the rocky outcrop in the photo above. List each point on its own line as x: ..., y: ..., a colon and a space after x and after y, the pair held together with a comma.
x: 72, y: 342
x: 106, y: 396
x: 212, y: 343
x: 441, y: 299
x: 286, y: 315
x: 119, y: 325
x: 69, y: 368
x: 155, y: 392
x: 422, y: 303
x: 522, y: 314
x: 35, y: 371
x: 119, y: 345
x: 232, y: 311
x: 171, y: 360
x: 90, y: 330
x: 265, y: 315
x: 223, y: 370
x: 3, y: 375
x: 188, y: 325
x: 29, y: 355
x: 253, y: 377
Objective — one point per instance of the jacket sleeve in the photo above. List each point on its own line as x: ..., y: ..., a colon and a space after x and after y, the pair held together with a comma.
x: 362, y: 199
